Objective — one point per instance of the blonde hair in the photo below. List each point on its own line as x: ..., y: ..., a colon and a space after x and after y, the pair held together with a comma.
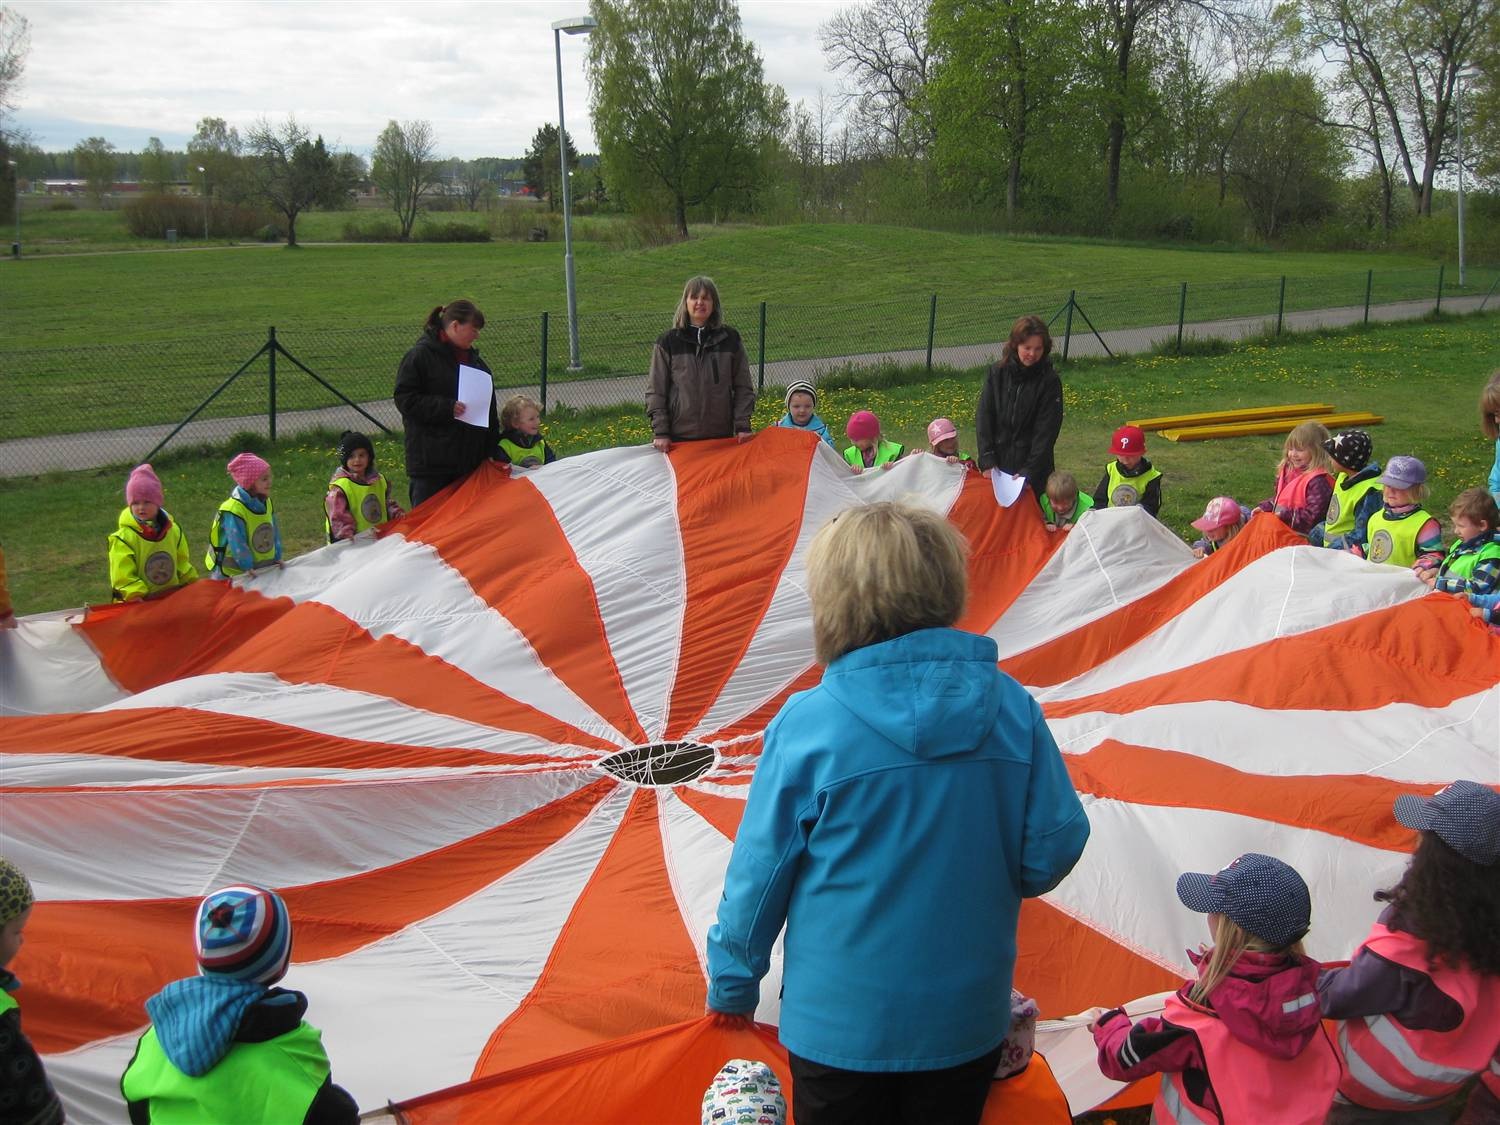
x: 1310, y: 436
x: 1415, y: 493
x: 510, y: 413
x: 695, y: 286
x: 879, y: 572
x: 1478, y: 505
x: 1230, y: 941
x: 1061, y: 485
x: 1489, y: 406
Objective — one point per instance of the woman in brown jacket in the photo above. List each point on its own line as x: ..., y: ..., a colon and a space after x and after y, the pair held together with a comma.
x: 699, y: 386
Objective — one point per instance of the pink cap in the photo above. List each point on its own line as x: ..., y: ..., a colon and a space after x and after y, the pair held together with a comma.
x: 1222, y: 511
x: 940, y: 429
x: 862, y: 425
x: 143, y: 486
x: 247, y: 468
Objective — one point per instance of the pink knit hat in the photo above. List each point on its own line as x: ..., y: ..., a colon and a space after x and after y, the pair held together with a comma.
x: 143, y: 485
x: 862, y: 425
x: 247, y: 468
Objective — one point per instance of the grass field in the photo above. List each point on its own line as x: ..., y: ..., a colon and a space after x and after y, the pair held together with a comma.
x: 1424, y: 377
x: 145, y: 337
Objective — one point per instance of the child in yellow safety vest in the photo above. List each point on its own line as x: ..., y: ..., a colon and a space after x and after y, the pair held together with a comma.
x: 245, y: 535
x: 359, y: 498
x: 1356, y: 492
x: 521, y: 441
x: 1420, y: 999
x: 227, y: 1046
x: 25, y: 1093
x: 1130, y: 478
x: 868, y: 449
x: 1245, y: 1041
x: 1403, y: 532
x: 148, y: 552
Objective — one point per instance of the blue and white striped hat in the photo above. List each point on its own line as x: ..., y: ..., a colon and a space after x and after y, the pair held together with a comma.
x: 244, y: 932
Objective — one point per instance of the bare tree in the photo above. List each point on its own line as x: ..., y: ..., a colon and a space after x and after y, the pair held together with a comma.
x: 15, y: 42
x: 292, y: 173
x: 1401, y: 60
x: 881, y: 48
x: 406, y: 168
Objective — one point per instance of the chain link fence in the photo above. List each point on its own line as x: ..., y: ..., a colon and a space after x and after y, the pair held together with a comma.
x: 87, y: 407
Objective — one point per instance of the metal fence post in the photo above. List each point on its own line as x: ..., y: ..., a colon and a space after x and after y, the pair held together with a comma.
x: 1369, y: 285
x: 271, y: 346
x: 1181, y: 315
x: 931, y: 328
x: 1280, y: 304
x: 760, y: 378
x: 1437, y: 308
x: 542, y: 378
x: 1068, y: 324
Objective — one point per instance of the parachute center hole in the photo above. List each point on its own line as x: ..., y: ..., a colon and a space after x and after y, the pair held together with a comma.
x: 660, y: 763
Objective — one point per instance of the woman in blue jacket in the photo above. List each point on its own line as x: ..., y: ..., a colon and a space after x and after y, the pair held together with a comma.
x: 900, y: 812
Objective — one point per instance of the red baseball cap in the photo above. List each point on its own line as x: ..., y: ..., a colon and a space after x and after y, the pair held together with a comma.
x: 1128, y: 439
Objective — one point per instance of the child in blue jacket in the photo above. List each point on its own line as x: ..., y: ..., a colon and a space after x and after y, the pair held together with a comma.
x: 801, y: 411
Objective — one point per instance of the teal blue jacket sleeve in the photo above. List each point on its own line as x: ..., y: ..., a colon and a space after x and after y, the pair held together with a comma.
x: 1056, y: 828
x: 773, y: 835
x: 1495, y: 473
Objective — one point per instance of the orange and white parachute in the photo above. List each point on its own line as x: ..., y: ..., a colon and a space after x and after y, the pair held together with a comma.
x: 495, y: 760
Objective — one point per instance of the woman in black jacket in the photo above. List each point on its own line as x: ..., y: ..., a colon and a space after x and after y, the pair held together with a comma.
x: 441, y: 446
x: 1021, y: 407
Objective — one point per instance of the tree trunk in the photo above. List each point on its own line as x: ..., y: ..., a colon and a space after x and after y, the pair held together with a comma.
x: 1013, y: 187
x: 681, y: 211
x: 291, y: 229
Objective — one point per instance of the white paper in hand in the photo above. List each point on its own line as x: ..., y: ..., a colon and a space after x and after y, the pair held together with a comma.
x: 1007, y: 488
x: 475, y: 390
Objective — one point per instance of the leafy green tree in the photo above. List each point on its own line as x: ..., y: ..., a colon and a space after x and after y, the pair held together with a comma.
x: 156, y: 165
x: 1000, y: 71
x: 95, y: 161
x: 405, y: 168
x: 1285, y: 160
x: 217, y: 149
x: 680, y: 103
x: 292, y: 174
x: 542, y: 167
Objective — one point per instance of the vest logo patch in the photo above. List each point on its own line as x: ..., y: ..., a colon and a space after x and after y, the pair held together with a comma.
x: 1382, y: 546
x: 263, y: 541
x: 369, y: 508
x: 160, y: 568
x: 1333, y: 509
x: 1124, y: 496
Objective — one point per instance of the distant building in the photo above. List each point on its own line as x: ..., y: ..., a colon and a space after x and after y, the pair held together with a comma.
x: 119, y: 187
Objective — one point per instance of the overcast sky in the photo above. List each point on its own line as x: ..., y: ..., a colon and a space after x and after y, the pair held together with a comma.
x: 482, y: 72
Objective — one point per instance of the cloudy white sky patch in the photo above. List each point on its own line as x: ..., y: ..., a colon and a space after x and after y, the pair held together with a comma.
x: 483, y: 73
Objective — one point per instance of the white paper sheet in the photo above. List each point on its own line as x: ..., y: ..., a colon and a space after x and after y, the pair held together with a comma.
x: 475, y: 390
x: 1007, y: 488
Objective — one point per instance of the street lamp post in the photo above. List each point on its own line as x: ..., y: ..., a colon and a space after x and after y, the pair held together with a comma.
x: 202, y: 171
x: 576, y: 25
x: 15, y: 171
x: 1462, y: 76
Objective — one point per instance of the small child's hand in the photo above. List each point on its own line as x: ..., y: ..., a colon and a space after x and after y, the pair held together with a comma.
x: 858, y: 469
x: 889, y: 465
x: 1052, y: 527
x: 1474, y: 611
x: 951, y: 460
x: 1198, y: 553
x: 1093, y: 1015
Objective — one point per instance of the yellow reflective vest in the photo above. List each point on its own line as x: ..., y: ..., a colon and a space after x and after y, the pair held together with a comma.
x: 1125, y: 491
x: 1343, y: 504
x: 139, y: 566
x: 260, y: 533
x: 885, y: 452
x: 522, y: 457
x: 367, y: 503
x: 269, y: 1083
x: 1394, y: 541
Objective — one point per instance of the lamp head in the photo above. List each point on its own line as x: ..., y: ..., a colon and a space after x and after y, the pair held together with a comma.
x: 576, y: 25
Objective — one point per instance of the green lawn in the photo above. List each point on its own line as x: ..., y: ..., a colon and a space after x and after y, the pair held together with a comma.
x: 147, y: 336
x: 1424, y: 377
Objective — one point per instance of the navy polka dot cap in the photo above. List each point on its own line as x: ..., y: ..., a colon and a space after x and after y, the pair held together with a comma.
x: 1258, y: 893
x: 1465, y: 815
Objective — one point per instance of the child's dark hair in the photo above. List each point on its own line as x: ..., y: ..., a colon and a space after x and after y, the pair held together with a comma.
x: 1451, y: 903
x: 1478, y: 505
x: 454, y: 312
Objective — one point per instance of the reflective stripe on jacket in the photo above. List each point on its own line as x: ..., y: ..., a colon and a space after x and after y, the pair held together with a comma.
x: 1390, y: 1066
x: 1250, y: 1085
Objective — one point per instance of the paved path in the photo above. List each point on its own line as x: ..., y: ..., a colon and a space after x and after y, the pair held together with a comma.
x: 27, y: 456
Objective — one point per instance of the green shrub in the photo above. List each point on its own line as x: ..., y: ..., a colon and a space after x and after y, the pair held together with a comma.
x: 151, y: 216
x: 372, y: 230
x: 515, y: 222
x: 451, y: 232
x: 62, y: 205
